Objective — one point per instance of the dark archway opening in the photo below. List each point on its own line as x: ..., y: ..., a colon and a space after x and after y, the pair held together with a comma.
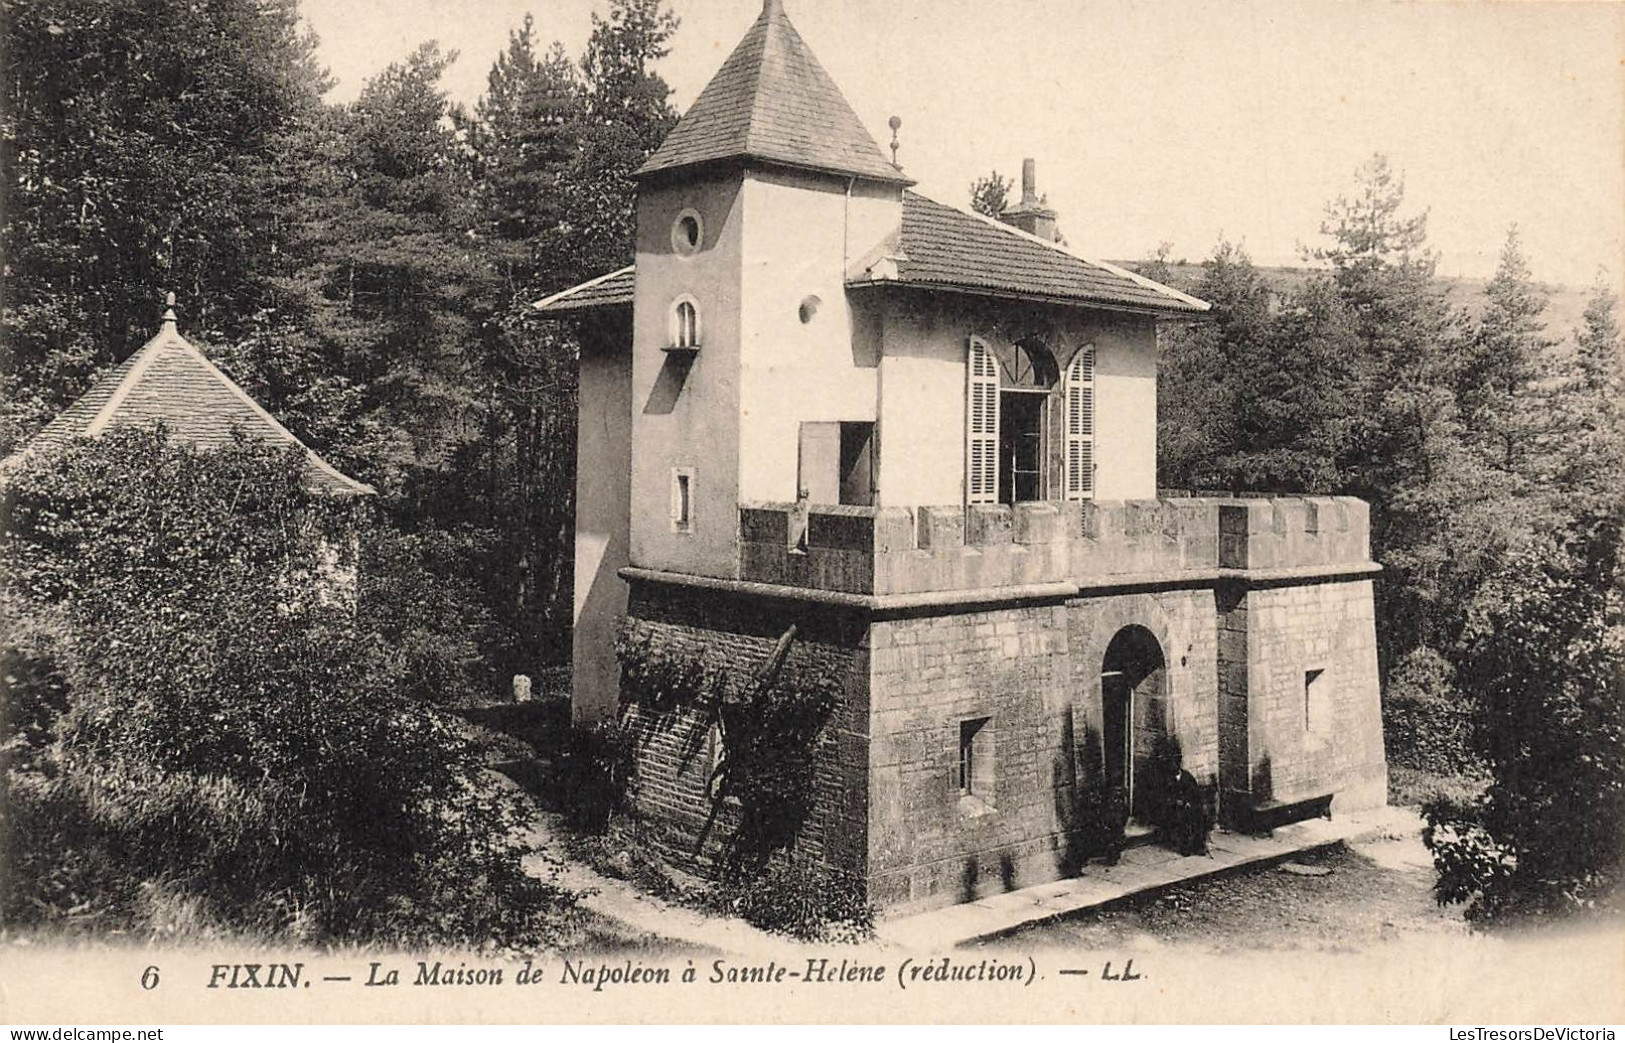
x: 1135, y: 735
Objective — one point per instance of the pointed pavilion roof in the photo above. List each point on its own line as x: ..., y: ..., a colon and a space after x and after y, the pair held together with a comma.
x: 170, y: 382
x: 772, y: 101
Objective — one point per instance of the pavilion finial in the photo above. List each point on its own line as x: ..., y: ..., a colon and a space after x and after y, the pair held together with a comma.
x: 169, y: 310
x: 773, y: 7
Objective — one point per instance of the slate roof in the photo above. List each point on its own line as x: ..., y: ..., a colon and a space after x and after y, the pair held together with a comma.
x: 773, y: 101
x: 967, y: 252
x: 605, y: 291
x: 942, y: 247
x: 169, y: 381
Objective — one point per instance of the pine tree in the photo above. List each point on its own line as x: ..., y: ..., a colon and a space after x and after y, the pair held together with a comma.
x: 990, y: 195
x: 1588, y: 439
x: 1435, y: 523
x: 130, y: 131
x: 1498, y: 382
x: 628, y: 114
x: 1200, y: 376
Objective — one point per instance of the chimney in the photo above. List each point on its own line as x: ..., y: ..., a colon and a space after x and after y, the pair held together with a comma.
x: 1032, y: 214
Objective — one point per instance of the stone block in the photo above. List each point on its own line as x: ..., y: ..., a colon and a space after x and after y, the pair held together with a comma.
x: 894, y: 530
x: 988, y: 524
x: 1036, y: 523
x: 1103, y: 520
x: 940, y: 528
x: 841, y: 528
x: 764, y: 523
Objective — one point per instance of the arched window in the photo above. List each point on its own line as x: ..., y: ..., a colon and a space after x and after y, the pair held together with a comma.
x: 685, y: 325
x: 1080, y: 425
x: 1034, y: 366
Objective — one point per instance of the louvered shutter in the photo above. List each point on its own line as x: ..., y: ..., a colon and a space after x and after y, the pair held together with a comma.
x: 981, y: 425
x: 1080, y: 425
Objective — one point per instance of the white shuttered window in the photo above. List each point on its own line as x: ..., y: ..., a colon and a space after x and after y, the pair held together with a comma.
x: 981, y: 424
x: 1080, y: 425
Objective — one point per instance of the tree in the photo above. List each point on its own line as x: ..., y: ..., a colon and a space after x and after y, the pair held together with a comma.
x: 1503, y: 405
x: 1588, y: 436
x: 1436, y: 524
x: 628, y: 114
x: 208, y: 742
x: 1200, y: 374
x: 1546, y: 663
x: 990, y: 194
x: 129, y: 135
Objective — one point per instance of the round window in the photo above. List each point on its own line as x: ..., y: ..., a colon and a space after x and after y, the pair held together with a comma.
x: 687, y: 233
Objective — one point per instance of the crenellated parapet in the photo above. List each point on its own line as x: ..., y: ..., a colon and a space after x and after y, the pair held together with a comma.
x: 1093, y: 544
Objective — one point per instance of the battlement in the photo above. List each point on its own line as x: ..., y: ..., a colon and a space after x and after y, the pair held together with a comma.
x: 902, y: 550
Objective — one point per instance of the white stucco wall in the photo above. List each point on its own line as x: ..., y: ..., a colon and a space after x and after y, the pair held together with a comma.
x: 686, y: 413
x: 798, y: 231
x: 922, y: 390
x: 1126, y: 411
x: 603, y: 516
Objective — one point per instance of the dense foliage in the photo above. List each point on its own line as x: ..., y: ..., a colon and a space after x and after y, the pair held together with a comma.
x: 1493, y: 457
x: 206, y: 731
x: 364, y: 270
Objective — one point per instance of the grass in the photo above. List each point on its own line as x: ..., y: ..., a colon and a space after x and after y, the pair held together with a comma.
x: 1413, y: 787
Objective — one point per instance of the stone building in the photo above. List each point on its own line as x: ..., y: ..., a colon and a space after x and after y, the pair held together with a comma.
x: 927, y: 440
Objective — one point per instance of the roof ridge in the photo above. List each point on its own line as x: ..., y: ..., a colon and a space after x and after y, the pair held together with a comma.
x: 1066, y: 251
x: 276, y: 425
x: 757, y: 113
x: 144, y: 357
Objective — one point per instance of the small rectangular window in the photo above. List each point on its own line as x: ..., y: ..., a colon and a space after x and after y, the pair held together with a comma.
x: 1314, y: 700
x: 682, y: 499
x: 976, y: 758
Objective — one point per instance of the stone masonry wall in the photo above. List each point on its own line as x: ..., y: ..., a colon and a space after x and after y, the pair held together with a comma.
x: 675, y: 814
x: 1034, y: 671
x: 1311, y: 740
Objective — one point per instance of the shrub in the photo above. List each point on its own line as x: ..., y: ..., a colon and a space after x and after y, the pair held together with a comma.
x: 1545, y: 661
x: 805, y: 900
x: 200, y: 727
x: 594, y: 768
x: 1427, y: 721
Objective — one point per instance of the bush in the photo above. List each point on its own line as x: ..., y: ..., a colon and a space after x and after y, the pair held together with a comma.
x: 805, y: 900
x: 200, y: 723
x: 1427, y: 722
x: 1546, y: 663
x: 594, y: 768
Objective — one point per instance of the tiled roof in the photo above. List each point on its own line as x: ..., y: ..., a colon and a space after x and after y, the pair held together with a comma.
x: 959, y: 250
x: 170, y: 382
x: 602, y: 292
x: 946, y: 248
x: 773, y: 101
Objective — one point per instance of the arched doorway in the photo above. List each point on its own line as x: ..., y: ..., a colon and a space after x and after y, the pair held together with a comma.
x: 1134, y: 708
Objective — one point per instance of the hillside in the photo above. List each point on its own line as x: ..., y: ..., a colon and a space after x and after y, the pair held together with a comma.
x: 1564, y: 313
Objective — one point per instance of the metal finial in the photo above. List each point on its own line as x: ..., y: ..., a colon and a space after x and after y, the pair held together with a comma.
x: 894, y: 123
x: 169, y: 309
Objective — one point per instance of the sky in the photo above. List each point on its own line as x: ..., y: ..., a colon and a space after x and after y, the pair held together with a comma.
x: 1184, y: 122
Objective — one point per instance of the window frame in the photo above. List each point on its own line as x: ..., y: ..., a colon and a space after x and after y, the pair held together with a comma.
x: 681, y: 334
x: 679, y: 242
x: 682, y: 500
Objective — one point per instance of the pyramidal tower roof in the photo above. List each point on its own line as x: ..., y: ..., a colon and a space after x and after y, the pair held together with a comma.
x: 170, y: 382
x: 772, y: 101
